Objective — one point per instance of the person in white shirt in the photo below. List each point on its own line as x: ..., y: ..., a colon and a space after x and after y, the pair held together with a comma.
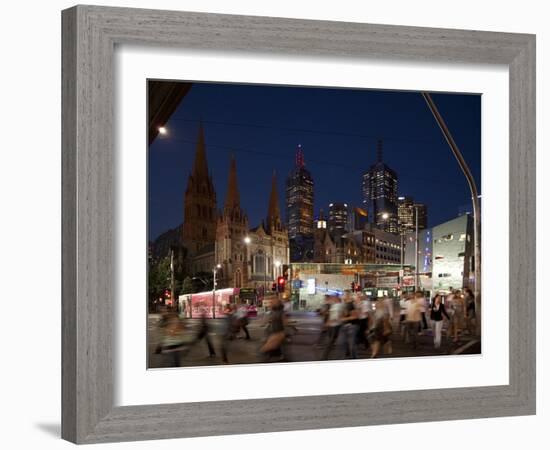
x: 414, y: 316
x: 334, y: 323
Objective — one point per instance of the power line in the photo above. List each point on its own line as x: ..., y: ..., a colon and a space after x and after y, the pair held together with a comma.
x: 306, y: 130
x: 309, y: 160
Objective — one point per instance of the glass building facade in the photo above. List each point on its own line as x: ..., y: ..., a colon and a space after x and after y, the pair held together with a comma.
x: 380, y: 194
x: 299, y: 210
x: 338, y: 219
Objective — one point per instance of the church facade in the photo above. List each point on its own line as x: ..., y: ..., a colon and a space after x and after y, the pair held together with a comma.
x: 248, y: 257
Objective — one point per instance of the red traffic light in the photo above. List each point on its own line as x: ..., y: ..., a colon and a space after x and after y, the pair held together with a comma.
x: 281, y: 280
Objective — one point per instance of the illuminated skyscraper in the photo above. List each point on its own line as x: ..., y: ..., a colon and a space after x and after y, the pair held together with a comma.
x: 299, y: 210
x: 380, y: 194
x: 338, y: 219
x: 407, y: 210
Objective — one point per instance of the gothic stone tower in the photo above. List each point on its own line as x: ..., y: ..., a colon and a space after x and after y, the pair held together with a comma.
x: 199, y: 205
x: 231, y: 230
x: 276, y: 229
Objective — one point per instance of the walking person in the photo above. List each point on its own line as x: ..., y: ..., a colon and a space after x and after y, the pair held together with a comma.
x: 272, y: 347
x: 382, y: 328
x: 204, y: 330
x: 470, y: 304
x: 362, y: 306
x: 414, y: 318
x: 324, y: 313
x: 403, y: 306
x: 423, y: 309
x: 437, y: 312
x: 228, y: 331
x: 350, y: 325
x: 334, y: 323
x: 175, y: 338
x: 241, y: 320
x: 457, y: 315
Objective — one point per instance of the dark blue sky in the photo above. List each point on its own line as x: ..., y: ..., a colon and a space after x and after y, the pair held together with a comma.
x: 337, y: 128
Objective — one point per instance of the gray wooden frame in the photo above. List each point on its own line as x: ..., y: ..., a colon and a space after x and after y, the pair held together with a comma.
x: 89, y: 36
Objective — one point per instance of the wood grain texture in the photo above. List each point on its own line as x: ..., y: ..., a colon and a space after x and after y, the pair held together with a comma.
x: 89, y: 36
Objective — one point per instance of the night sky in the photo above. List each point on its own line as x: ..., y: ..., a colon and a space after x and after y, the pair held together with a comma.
x: 337, y: 128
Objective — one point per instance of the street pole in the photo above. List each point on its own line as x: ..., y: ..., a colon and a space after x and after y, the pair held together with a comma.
x: 475, y: 204
x: 214, y: 294
x: 402, y: 271
x: 416, y: 274
x: 172, y: 279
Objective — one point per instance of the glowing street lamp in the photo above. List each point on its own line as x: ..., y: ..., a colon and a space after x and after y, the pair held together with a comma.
x: 162, y: 131
x: 214, y: 272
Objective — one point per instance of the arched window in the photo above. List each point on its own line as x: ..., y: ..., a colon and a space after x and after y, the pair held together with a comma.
x: 259, y: 262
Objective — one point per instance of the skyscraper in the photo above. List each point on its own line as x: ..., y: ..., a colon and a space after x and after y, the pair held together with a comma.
x: 199, y: 204
x: 380, y: 194
x: 407, y: 211
x: 422, y: 210
x: 338, y: 219
x: 299, y: 210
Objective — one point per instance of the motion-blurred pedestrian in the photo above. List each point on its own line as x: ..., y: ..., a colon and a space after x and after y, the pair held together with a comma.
x: 241, y: 320
x: 272, y: 347
x: 228, y: 331
x: 470, y: 304
x: 382, y: 329
x: 437, y: 312
x: 414, y: 318
x: 204, y: 333
x: 350, y: 325
x: 334, y: 323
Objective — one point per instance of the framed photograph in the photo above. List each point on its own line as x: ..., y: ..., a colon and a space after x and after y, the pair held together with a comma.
x: 277, y: 224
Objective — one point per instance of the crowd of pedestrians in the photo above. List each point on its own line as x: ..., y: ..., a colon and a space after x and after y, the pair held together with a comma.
x: 356, y: 320
x: 349, y: 322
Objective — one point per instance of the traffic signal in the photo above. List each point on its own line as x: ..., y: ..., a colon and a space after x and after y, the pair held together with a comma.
x: 353, y: 286
x: 167, y: 293
x: 281, y: 283
x: 274, y: 287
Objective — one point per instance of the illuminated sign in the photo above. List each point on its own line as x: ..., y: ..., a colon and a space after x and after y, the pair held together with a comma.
x: 311, y: 286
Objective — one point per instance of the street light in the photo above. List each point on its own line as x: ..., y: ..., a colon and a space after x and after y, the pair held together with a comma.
x: 163, y: 131
x: 475, y: 202
x: 277, y: 265
x: 214, y: 272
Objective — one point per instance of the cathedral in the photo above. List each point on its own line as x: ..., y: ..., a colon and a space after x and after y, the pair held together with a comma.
x: 199, y: 204
x: 249, y: 257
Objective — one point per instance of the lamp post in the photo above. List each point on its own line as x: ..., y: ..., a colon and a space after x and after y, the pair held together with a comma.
x: 247, y: 241
x: 475, y: 203
x: 277, y: 265
x: 172, y: 280
x: 416, y: 274
x: 214, y: 282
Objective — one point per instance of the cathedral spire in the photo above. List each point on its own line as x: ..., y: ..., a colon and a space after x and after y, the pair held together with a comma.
x: 200, y: 166
x: 274, y: 212
x: 232, y: 200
